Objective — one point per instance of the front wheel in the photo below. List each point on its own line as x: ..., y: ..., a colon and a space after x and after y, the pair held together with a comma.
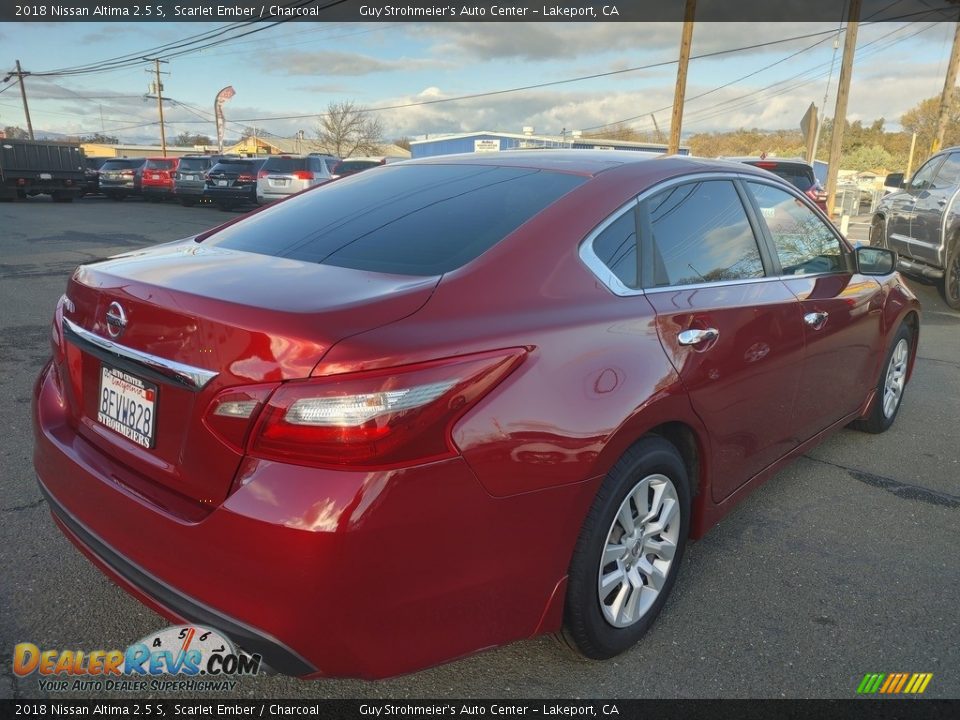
x: 890, y: 387
x: 629, y: 550
x: 951, y: 276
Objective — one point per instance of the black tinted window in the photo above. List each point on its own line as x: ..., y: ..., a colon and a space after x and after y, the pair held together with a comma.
x: 414, y: 220
x: 346, y: 167
x: 949, y: 173
x: 194, y: 164
x: 804, y: 243
x: 923, y: 178
x: 157, y: 164
x: 701, y: 234
x: 237, y: 166
x: 616, y: 246
x: 121, y: 164
x: 285, y: 164
x: 799, y: 177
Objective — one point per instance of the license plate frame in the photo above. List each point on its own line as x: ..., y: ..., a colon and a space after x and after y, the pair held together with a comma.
x: 127, y: 406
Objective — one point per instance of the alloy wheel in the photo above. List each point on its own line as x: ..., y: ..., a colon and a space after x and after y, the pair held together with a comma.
x: 639, y: 551
x: 896, y: 378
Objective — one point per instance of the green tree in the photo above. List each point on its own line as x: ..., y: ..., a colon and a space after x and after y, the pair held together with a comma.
x: 922, y: 120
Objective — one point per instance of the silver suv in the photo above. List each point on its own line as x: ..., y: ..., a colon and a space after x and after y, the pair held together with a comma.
x: 284, y: 175
x: 921, y: 221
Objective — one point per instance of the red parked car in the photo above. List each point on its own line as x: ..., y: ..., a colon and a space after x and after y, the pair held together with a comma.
x: 443, y: 405
x: 157, y: 183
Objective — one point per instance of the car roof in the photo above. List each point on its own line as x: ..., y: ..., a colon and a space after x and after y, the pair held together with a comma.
x: 645, y: 167
x: 777, y: 160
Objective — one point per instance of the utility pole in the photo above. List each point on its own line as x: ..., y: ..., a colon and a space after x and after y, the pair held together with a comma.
x: 946, y: 99
x: 686, y: 39
x: 158, y: 88
x: 913, y: 146
x: 657, y: 128
x: 843, y: 94
x: 23, y: 95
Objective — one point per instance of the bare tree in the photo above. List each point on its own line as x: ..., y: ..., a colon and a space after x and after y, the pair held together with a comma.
x: 347, y: 129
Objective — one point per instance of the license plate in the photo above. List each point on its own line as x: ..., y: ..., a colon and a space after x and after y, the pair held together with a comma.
x: 279, y: 182
x: 189, y: 177
x: 155, y: 177
x: 222, y: 183
x: 46, y: 176
x: 127, y: 405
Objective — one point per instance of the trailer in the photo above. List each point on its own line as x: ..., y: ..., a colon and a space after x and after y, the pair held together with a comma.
x: 29, y: 167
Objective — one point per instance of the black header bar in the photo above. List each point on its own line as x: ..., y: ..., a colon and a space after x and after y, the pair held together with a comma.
x: 258, y: 11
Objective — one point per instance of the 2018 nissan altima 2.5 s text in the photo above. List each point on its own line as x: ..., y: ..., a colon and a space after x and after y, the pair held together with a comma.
x: 443, y: 405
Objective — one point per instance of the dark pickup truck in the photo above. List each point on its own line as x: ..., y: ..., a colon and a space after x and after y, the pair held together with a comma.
x: 30, y: 167
x: 921, y: 221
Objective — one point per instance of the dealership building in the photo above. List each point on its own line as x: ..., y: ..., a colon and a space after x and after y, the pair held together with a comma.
x: 487, y: 141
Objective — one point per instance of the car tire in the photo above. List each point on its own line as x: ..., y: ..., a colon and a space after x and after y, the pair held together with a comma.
x: 950, y: 287
x: 21, y: 194
x: 612, y: 598
x: 61, y: 198
x: 187, y: 203
x: 115, y: 196
x: 890, y: 386
x: 878, y: 232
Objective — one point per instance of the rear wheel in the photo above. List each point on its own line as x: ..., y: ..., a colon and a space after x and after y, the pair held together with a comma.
x: 188, y: 202
x: 62, y: 198
x: 115, y: 196
x: 629, y: 551
x: 890, y: 387
x: 878, y: 232
x: 21, y: 194
x: 951, y: 275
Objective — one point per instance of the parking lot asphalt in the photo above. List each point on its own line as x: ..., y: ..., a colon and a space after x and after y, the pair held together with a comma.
x: 846, y: 562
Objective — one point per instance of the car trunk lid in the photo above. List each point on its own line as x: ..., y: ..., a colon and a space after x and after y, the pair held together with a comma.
x: 232, y: 318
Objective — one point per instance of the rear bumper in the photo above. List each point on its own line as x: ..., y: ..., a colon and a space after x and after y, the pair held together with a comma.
x: 188, y: 190
x: 169, y: 601
x: 161, y: 190
x: 274, y: 196
x: 324, y: 572
x: 230, y: 195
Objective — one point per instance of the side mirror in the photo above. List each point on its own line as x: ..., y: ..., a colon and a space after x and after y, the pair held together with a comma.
x: 875, y: 261
x: 894, y: 180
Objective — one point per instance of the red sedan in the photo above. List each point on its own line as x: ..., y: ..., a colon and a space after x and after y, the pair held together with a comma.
x: 447, y: 404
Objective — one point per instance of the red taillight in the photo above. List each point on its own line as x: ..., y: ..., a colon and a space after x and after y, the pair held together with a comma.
x: 303, y: 175
x: 232, y: 412
x: 262, y: 174
x: 245, y: 178
x: 381, y: 418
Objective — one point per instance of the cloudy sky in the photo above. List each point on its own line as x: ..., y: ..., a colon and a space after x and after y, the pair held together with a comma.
x: 298, y: 68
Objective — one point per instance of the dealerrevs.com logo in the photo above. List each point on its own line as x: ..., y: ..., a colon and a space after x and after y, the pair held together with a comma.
x: 197, y: 658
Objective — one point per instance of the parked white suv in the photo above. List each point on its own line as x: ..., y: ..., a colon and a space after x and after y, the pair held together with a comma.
x: 284, y: 175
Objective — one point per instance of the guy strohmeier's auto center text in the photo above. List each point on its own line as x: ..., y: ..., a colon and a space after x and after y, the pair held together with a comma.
x: 163, y: 10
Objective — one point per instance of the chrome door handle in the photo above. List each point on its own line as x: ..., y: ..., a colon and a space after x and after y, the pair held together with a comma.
x: 695, y: 337
x: 815, y: 319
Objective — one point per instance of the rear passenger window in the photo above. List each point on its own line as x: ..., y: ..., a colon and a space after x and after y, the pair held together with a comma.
x: 616, y: 247
x: 701, y: 234
x: 804, y: 243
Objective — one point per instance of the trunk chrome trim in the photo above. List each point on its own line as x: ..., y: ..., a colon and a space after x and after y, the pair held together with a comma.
x: 170, y: 371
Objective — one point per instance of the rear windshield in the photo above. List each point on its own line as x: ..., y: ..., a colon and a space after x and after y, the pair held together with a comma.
x: 285, y: 164
x: 121, y: 164
x: 232, y: 166
x: 351, y: 166
x: 797, y: 175
x: 409, y: 220
x: 160, y: 164
x: 194, y: 163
